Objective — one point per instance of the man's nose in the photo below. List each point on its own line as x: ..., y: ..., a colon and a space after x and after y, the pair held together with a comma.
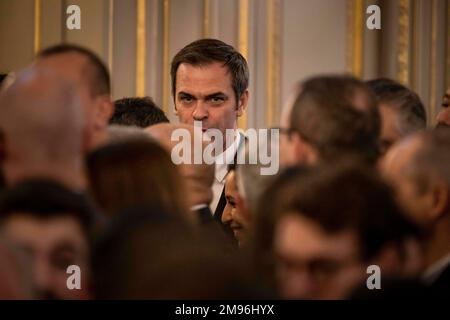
x: 226, y: 215
x: 443, y: 116
x: 42, y: 275
x: 200, y: 111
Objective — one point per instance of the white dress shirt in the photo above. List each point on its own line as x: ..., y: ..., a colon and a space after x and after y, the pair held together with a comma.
x: 221, y: 170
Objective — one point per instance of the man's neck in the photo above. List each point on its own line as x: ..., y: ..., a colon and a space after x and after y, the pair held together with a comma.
x: 438, y: 243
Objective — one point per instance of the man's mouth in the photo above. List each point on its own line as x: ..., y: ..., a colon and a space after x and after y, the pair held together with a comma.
x: 236, y: 227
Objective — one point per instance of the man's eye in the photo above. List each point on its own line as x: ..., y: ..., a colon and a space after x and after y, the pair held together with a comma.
x: 217, y: 100
x: 186, y: 99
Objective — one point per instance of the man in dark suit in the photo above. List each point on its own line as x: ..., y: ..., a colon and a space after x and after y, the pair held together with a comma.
x: 210, y: 86
x: 419, y: 169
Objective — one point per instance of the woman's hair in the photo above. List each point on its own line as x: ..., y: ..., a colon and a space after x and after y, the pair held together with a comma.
x: 135, y: 173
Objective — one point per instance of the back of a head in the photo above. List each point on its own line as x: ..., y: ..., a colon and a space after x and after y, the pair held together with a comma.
x: 139, y: 112
x: 337, y: 115
x: 411, y: 111
x: 132, y: 173
x: 123, y: 133
x: 41, y: 118
x: 97, y: 73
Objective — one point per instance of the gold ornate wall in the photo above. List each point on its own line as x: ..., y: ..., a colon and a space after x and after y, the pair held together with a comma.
x: 138, y: 38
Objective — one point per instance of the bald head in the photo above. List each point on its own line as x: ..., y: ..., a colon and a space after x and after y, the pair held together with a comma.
x: 199, y: 177
x: 42, y: 122
x: 418, y: 169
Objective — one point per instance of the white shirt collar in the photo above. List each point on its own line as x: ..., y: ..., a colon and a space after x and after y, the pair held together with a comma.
x: 230, y: 152
x: 199, y: 206
x: 434, y: 271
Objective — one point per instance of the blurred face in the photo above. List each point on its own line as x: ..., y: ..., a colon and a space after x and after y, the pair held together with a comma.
x: 74, y: 68
x: 443, y: 117
x: 389, y: 130
x: 395, y: 167
x: 311, y: 264
x: 232, y: 216
x: 205, y: 93
x: 53, y: 244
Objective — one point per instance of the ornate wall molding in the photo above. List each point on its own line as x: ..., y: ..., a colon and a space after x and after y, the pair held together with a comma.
x: 243, y: 40
x: 273, y: 62
x: 37, y: 26
x: 166, y: 62
x: 140, y: 47
x: 404, y: 42
x: 355, y: 37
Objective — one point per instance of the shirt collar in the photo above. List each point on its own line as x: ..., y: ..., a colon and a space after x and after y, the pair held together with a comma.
x: 434, y: 271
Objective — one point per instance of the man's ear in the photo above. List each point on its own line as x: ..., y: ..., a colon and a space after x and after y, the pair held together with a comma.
x: 242, y: 103
x: 303, y: 152
x: 441, y: 200
x: 104, y: 111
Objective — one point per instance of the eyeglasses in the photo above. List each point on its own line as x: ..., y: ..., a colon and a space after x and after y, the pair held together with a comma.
x: 321, y: 270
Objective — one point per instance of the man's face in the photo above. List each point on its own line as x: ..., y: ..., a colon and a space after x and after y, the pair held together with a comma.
x: 443, y: 117
x: 389, y: 129
x: 311, y: 264
x: 205, y: 93
x: 53, y: 244
x: 232, y: 216
x: 395, y: 167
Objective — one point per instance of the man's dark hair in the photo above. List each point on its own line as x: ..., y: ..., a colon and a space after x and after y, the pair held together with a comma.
x: 98, y: 74
x: 337, y: 115
x: 140, y: 112
x: 46, y: 199
x: 207, y: 51
x: 412, y: 114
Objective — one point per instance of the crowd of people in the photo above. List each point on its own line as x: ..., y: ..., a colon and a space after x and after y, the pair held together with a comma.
x: 359, y: 208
